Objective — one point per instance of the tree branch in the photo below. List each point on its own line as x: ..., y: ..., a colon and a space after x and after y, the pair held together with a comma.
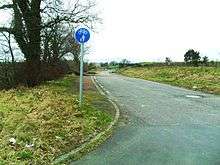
x: 5, y: 29
x: 9, y: 6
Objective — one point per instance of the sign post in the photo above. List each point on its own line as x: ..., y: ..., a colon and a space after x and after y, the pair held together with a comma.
x: 82, y: 36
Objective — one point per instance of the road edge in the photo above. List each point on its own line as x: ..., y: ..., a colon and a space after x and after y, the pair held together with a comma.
x: 101, y: 137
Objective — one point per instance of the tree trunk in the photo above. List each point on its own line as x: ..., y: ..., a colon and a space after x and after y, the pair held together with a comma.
x: 33, y: 70
x: 27, y: 32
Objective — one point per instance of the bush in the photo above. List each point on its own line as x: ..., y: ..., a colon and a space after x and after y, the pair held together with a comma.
x: 7, y: 79
x: 12, y: 75
x: 54, y: 71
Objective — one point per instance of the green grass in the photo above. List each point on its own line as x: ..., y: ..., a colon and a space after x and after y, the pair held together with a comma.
x: 206, y: 79
x: 48, y: 117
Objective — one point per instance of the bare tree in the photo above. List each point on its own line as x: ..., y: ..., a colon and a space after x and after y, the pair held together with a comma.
x: 57, y: 43
x: 124, y: 63
x: 31, y: 17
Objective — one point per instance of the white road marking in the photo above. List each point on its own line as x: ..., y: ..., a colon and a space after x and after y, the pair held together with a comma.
x: 193, y: 96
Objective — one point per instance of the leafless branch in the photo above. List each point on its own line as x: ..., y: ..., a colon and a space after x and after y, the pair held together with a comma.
x: 9, y: 6
x: 6, y: 29
x: 80, y: 13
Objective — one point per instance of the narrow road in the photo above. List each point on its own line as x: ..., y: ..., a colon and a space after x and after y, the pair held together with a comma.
x: 161, y: 125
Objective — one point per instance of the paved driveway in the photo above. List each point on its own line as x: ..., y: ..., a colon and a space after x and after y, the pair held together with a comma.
x: 162, y: 125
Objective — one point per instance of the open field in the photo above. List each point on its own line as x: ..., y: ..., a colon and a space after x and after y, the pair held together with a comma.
x: 46, y: 121
x: 206, y: 79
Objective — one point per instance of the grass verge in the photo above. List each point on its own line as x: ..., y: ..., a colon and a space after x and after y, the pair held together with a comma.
x: 206, y: 79
x: 46, y: 121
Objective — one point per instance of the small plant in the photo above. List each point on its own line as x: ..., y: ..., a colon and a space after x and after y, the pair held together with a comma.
x: 23, y: 155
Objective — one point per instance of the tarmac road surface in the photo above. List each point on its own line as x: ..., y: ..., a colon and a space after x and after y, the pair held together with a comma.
x: 160, y: 125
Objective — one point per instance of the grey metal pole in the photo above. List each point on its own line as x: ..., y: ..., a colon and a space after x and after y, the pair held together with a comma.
x: 81, y: 76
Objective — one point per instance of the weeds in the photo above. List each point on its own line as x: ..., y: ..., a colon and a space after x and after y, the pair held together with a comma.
x: 206, y: 79
x: 46, y: 122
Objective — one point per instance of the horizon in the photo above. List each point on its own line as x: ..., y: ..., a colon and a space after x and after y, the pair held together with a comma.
x: 164, y: 28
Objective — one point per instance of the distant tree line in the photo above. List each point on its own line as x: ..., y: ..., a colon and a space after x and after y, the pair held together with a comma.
x: 191, y: 58
x: 114, y: 64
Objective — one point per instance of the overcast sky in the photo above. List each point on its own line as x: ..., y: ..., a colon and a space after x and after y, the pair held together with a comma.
x: 150, y: 30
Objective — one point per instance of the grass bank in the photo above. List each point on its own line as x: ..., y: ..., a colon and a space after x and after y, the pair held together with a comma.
x: 206, y: 79
x: 39, y: 124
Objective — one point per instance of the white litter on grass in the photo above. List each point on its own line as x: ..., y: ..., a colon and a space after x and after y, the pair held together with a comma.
x: 195, y: 87
x: 29, y: 145
x: 108, y: 92
x: 12, y: 141
x: 193, y: 96
x: 58, y: 137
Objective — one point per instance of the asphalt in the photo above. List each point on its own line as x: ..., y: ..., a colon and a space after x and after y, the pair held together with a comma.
x: 160, y: 125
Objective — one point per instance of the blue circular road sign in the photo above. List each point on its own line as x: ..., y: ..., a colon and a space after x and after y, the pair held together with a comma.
x: 82, y: 35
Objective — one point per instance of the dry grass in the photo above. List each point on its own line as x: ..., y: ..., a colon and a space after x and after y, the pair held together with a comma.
x: 206, y: 79
x: 47, y: 117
